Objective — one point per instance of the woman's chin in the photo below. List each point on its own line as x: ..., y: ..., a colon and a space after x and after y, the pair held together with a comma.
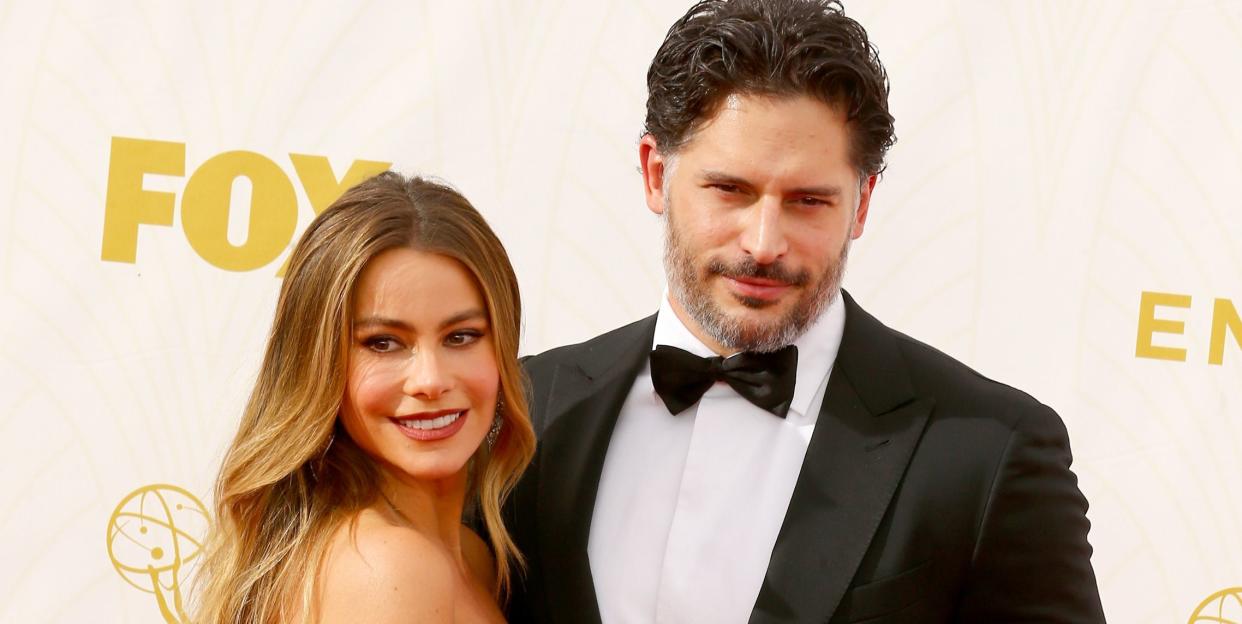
x: 430, y: 469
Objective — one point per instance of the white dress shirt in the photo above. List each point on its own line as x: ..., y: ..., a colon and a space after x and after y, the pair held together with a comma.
x: 689, y: 506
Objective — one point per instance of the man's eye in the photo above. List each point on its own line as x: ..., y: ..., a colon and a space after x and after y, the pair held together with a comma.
x: 463, y: 338
x: 382, y: 344
x: 811, y: 202
x: 727, y: 188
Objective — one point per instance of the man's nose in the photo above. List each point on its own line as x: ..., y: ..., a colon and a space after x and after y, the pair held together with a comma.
x: 763, y: 234
x: 426, y: 376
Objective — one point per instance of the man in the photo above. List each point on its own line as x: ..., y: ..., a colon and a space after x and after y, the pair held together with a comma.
x: 762, y: 449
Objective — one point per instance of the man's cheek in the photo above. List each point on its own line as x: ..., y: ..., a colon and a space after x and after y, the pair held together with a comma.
x: 717, y: 230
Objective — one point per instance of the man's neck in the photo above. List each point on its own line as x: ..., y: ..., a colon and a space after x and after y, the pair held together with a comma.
x: 696, y: 330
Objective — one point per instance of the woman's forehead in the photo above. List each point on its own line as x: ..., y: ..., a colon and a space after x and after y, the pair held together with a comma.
x: 413, y: 285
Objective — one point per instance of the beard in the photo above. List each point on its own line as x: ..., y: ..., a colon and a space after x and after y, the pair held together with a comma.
x: 691, y: 287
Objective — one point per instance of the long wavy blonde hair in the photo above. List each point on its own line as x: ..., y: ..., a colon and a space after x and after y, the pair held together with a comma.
x: 292, y: 476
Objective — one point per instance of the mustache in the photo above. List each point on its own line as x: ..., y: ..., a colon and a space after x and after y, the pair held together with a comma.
x: 776, y: 271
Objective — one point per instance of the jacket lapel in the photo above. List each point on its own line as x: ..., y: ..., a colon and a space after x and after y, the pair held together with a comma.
x: 585, y: 398
x: 868, y: 427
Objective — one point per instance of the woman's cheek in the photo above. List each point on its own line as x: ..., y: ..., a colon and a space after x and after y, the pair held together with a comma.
x: 485, y: 381
x: 374, y: 391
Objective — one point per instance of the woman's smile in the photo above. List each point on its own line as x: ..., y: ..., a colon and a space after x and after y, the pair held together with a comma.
x: 429, y: 426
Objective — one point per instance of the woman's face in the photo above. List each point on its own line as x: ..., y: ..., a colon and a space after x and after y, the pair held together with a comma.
x: 422, y: 378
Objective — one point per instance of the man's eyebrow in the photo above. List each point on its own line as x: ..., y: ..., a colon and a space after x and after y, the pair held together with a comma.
x: 820, y: 191
x: 719, y: 177
x: 383, y: 321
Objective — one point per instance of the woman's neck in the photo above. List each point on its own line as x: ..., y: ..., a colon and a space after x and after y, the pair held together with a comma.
x: 433, y: 508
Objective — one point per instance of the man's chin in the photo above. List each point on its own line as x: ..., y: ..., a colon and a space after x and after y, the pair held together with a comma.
x: 741, y: 304
x: 753, y: 310
x: 755, y: 303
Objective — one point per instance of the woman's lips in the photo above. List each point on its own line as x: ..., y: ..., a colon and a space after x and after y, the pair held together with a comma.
x: 429, y: 426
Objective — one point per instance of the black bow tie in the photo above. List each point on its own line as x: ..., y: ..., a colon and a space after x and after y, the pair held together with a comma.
x: 765, y: 379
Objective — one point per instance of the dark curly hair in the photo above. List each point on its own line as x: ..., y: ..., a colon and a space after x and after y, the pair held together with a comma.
x: 769, y: 47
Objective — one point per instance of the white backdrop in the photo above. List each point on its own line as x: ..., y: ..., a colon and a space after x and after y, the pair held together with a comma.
x: 1055, y: 161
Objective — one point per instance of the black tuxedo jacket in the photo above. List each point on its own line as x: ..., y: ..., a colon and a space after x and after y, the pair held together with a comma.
x: 929, y: 493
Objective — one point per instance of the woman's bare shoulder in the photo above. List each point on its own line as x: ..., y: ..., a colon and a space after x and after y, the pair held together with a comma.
x: 377, y: 572
x: 479, y: 557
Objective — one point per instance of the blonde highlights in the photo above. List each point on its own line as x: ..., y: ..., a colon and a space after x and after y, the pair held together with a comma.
x: 292, y: 476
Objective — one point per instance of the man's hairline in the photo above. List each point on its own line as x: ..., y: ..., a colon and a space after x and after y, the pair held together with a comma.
x: 708, y: 112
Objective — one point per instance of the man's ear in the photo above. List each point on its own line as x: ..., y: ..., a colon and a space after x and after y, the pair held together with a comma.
x: 864, y: 202
x: 654, y: 168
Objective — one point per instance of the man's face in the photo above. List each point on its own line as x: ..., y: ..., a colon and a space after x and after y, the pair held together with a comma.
x: 760, y: 207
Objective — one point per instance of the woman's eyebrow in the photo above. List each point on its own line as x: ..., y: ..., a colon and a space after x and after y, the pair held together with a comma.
x: 370, y: 321
x: 465, y: 315
x: 383, y: 321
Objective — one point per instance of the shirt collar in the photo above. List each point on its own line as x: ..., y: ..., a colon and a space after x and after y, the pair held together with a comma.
x: 817, y: 347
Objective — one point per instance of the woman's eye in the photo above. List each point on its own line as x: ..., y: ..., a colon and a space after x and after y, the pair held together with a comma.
x: 382, y: 344
x: 462, y: 338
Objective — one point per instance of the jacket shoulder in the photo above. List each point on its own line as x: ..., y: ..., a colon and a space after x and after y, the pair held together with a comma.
x: 960, y: 388
x: 602, y: 347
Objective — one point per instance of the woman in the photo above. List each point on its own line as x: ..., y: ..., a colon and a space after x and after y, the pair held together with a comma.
x: 389, y: 400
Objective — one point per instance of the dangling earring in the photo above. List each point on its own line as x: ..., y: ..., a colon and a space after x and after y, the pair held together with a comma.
x: 497, y: 422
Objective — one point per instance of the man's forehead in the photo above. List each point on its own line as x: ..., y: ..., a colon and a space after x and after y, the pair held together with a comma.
x: 737, y: 103
x: 794, y: 120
